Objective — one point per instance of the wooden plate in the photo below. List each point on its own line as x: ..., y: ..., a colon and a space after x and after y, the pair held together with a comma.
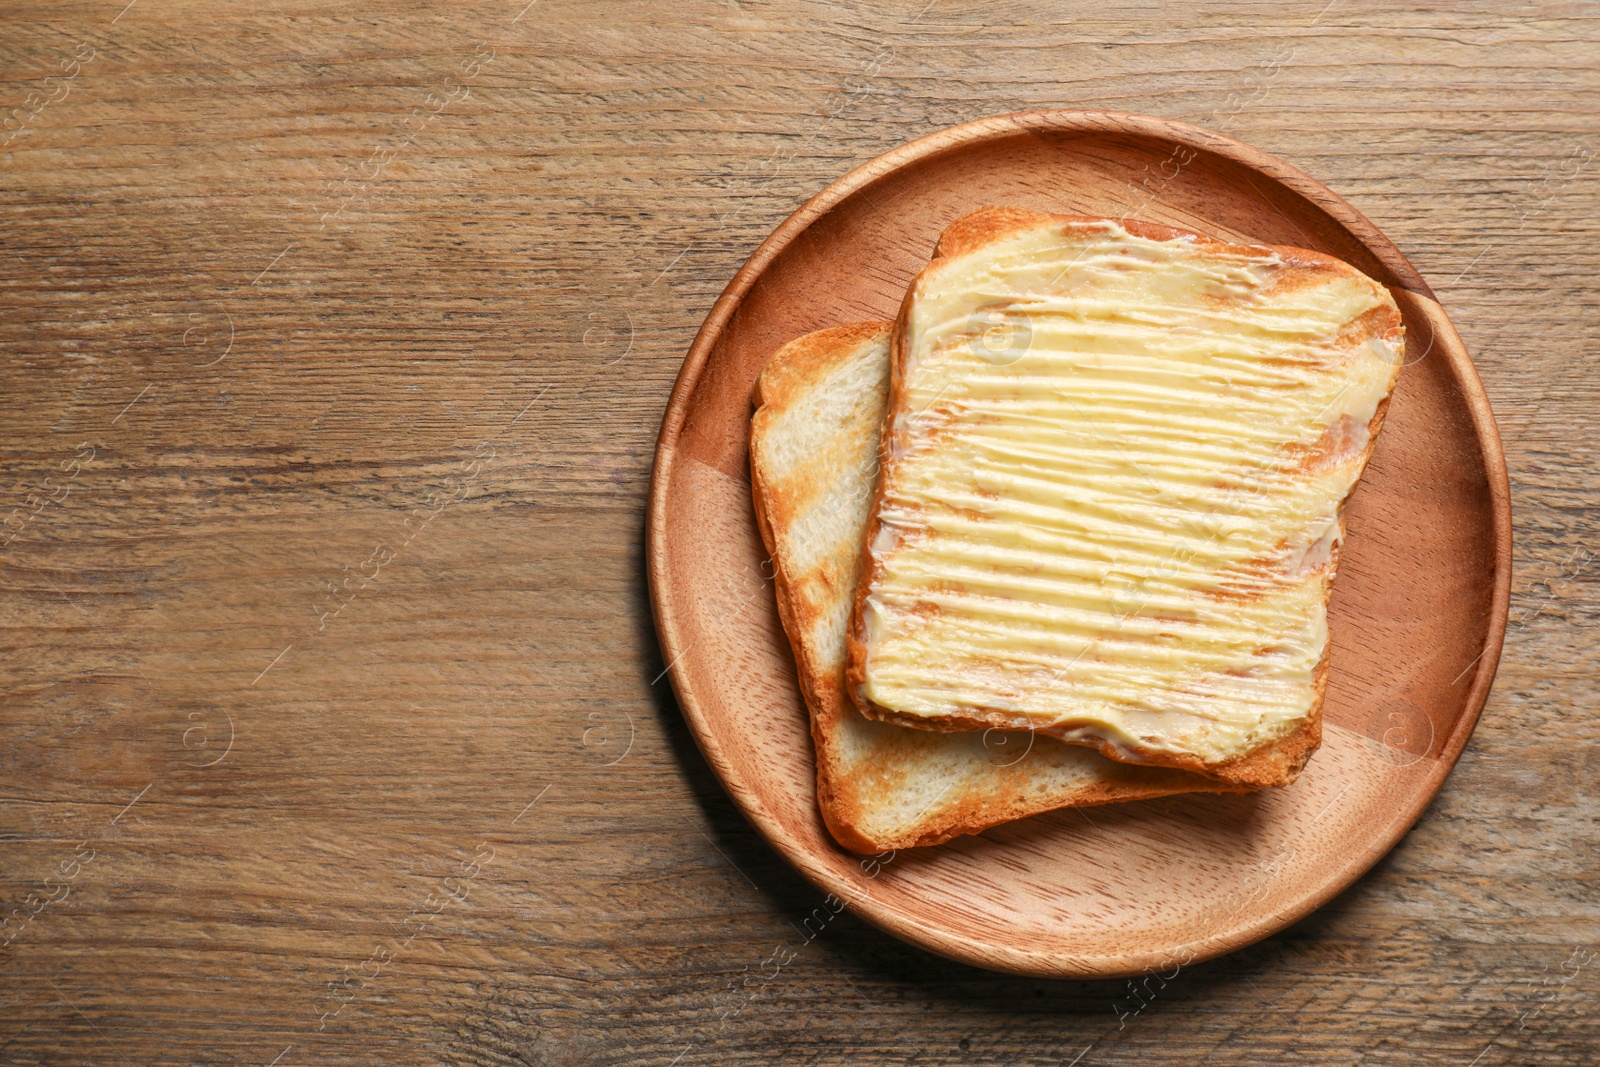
x: 1417, y: 618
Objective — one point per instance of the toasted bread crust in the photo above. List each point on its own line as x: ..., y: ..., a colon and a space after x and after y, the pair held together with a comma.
x: 794, y: 366
x: 1275, y: 763
x: 843, y: 801
x: 781, y: 383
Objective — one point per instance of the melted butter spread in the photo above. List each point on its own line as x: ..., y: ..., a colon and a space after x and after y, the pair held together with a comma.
x: 1113, y: 494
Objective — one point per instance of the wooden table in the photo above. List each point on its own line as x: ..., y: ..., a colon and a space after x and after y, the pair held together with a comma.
x: 335, y: 345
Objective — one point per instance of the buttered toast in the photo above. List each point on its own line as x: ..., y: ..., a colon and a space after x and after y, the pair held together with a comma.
x: 814, y: 443
x: 1114, y: 466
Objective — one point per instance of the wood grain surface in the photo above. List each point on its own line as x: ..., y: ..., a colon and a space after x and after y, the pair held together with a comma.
x: 335, y: 343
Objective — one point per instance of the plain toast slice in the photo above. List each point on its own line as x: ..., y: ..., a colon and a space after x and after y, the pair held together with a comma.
x: 814, y: 443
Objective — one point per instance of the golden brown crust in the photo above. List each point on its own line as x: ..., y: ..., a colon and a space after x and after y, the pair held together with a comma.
x: 1126, y: 781
x: 1275, y: 764
x: 786, y: 373
x: 976, y: 229
x: 781, y: 383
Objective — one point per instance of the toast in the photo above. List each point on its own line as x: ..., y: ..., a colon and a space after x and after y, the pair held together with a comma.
x: 1111, y: 502
x: 880, y: 786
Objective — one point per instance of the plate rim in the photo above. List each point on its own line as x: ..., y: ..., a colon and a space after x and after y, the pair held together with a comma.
x: 932, y: 937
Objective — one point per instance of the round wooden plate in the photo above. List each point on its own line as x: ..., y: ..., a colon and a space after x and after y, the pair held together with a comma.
x: 1417, y: 617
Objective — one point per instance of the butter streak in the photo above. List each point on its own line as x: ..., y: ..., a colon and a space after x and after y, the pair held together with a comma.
x: 1120, y: 530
